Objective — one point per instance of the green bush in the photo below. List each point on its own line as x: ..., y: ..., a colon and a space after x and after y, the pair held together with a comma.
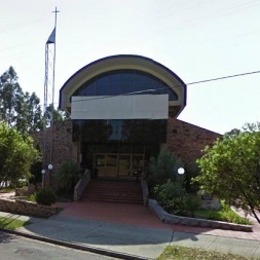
x: 174, y: 199
x: 171, y: 197
x: 191, y: 171
x: 174, y: 192
x: 67, y: 176
x: 31, y: 197
x: 163, y: 167
x: 45, y: 196
x: 225, y: 213
x: 228, y: 216
x: 191, y: 203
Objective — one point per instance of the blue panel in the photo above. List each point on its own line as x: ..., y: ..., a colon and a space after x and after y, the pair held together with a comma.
x: 125, y: 82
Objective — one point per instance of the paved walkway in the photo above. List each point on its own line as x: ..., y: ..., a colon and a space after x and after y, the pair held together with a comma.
x: 134, y: 230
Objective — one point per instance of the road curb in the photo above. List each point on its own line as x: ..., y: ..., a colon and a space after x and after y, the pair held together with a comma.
x: 95, y: 250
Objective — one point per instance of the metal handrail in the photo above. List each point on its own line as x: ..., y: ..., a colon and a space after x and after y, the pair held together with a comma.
x: 81, y: 185
x: 145, y: 190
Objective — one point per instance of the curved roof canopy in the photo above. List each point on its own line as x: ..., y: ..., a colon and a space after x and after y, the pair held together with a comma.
x: 125, y: 62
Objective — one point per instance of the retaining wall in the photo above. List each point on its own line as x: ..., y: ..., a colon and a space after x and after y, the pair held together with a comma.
x: 27, y: 208
x: 178, y: 220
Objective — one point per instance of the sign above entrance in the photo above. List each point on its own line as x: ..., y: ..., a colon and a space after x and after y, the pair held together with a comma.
x: 120, y: 107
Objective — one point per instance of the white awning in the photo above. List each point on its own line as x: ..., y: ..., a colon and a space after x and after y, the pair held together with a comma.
x: 120, y: 107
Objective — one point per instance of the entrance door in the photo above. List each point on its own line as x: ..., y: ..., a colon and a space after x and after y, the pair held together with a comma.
x: 100, y: 165
x: 124, y: 165
x: 118, y: 165
x: 137, y: 163
x: 106, y: 165
x: 111, y: 165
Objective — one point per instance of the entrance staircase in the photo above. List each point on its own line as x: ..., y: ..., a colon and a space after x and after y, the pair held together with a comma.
x: 114, y: 191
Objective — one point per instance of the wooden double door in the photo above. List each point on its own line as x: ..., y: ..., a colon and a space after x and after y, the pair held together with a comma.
x: 114, y: 165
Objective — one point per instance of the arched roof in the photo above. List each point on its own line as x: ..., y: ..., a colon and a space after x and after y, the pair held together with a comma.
x: 121, y: 62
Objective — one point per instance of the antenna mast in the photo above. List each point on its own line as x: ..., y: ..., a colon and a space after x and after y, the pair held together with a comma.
x: 54, y: 56
x: 49, y: 81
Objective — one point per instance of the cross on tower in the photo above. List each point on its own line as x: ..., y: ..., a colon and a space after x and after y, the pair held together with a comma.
x: 56, y: 11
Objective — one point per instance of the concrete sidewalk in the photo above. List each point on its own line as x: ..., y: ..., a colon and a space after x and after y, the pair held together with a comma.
x: 130, y: 241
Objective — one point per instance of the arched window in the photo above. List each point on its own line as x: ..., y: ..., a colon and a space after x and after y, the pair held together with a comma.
x: 125, y: 82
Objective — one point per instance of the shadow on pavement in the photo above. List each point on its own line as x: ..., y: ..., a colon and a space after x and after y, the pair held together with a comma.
x: 5, y: 237
x: 109, y: 224
x: 131, y: 229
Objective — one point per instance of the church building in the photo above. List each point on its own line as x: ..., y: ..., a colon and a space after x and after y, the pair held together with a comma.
x: 123, y: 108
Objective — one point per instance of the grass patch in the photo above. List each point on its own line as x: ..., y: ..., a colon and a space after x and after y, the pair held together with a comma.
x: 59, y: 198
x: 181, y: 253
x: 31, y: 197
x: 6, y: 189
x: 10, y: 223
x: 225, y: 213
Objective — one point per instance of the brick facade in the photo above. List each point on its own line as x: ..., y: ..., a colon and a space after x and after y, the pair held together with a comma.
x: 63, y: 147
x: 187, y: 141
x: 183, y: 139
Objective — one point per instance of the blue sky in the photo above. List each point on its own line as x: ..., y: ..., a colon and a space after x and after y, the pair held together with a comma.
x: 197, y: 39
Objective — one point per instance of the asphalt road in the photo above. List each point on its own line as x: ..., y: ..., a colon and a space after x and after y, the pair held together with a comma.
x: 14, y: 247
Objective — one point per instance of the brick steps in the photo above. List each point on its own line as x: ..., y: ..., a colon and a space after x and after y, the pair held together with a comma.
x: 114, y: 191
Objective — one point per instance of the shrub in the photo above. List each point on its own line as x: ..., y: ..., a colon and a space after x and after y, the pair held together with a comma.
x: 31, y: 197
x: 36, y: 175
x: 191, y: 171
x: 174, y: 192
x: 191, y: 204
x: 45, y: 196
x: 170, y: 196
x: 17, y: 154
x: 68, y: 175
x: 163, y: 167
x: 227, y: 214
x: 223, y: 214
x: 21, y: 183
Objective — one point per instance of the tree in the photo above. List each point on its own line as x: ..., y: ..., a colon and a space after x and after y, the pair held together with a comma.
x: 67, y: 177
x: 17, y: 154
x: 230, y: 169
x: 18, y: 109
x: 34, y: 113
x: 164, y: 167
x: 10, y: 95
x: 23, y: 110
x: 53, y: 115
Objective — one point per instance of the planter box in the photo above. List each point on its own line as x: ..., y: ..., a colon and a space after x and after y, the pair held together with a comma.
x: 27, y: 208
x: 173, y: 219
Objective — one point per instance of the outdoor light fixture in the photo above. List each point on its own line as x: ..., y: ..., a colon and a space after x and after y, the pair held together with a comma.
x: 50, y: 168
x: 43, y: 175
x: 181, y: 171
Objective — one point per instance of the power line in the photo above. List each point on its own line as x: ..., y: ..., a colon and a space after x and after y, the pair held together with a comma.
x: 224, y: 77
x: 179, y: 85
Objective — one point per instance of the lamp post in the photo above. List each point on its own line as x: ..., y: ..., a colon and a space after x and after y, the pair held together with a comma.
x: 181, y: 171
x: 43, y: 176
x: 50, y: 168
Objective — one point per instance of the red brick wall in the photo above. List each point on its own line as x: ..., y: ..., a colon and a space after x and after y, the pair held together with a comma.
x: 186, y: 140
x: 63, y: 147
x: 183, y: 139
